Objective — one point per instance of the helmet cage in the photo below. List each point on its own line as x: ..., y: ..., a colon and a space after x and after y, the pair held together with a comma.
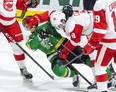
x: 57, y: 19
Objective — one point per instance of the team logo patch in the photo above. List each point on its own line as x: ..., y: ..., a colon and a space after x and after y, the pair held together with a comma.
x: 8, y: 5
x: 54, y: 18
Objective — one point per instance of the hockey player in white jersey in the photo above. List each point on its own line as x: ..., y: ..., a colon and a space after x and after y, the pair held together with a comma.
x: 75, y: 25
x: 104, y: 39
x: 9, y: 23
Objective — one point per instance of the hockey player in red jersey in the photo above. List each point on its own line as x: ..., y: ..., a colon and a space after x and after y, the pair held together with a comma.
x: 9, y: 23
x: 104, y: 39
x: 75, y: 24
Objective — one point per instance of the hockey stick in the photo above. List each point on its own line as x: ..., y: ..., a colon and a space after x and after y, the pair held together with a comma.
x: 7, y: 35
x: 72, y: 67
x: 69, y: 64
x: 63, y: 65
x: 22, y: 15
x: 76, y: 57
x: 77, y: 72
x: 48, y: 34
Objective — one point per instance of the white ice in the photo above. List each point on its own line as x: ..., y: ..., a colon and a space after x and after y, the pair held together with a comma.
x: 11, y: 81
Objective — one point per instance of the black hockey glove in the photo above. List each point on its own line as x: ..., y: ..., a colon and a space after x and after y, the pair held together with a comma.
x: 49, y: 32
x: 42, y: 33
x: 31, y: 3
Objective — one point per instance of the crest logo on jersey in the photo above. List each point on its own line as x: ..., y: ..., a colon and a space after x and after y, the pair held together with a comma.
x: 54, y: 18
x: 8, y: 5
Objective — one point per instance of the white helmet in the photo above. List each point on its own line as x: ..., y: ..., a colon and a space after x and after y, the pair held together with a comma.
x: 56, y: 18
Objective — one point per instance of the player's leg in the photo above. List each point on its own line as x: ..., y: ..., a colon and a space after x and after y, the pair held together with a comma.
x: 60, y: 72
x: 91, y: 63
x: 83, y: 59
x: 103, y: 58
x: 64, y: 71
x: 112, y: 81
x: 15, y: 32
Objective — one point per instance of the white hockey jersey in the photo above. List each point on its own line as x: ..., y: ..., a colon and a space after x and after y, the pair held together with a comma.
x: 105, y: 23
x: 7, y: 11
x: 79, y: 24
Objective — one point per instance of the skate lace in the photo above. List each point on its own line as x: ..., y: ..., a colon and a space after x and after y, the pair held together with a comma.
x: 25, y: 71
x: 93, y: 81
x: 113, y: 81
x: 114, y: 76
x: 114, y: 84
x: 75, y: 78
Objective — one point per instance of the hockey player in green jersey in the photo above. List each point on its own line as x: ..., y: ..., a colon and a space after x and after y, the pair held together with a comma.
x: 40, y: 39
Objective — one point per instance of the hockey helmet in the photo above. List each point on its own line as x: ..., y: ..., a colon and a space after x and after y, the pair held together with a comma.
x: 57, y: 18
x: 67, y: 10
x: 29, y: 23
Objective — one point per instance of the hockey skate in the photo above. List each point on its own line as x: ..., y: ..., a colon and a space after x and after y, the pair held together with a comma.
x: 76, y: 80
x: 112, y: 81
x: 93, y: 86
x: 25, y: 73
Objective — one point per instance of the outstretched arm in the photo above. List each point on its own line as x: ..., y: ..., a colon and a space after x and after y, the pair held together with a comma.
x: 24, y: 4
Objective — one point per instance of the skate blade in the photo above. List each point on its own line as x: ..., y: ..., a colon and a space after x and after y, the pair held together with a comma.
x: 82, y: 89
x: 112, y: 89
x: 93, y: 90
x: 27, y: 80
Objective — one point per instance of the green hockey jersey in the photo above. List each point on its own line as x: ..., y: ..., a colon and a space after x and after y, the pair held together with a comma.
x: 34, y: 42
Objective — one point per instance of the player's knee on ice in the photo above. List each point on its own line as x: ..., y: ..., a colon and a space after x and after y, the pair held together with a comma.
x: 62, y: 72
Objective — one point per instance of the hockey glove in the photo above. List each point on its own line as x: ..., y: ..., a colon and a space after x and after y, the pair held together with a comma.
x: 41, y: 33
x: 63, y: 55
x: 31, y: 3
x: 67, y: 48
x: 49, y: 32
x: 89, y: 48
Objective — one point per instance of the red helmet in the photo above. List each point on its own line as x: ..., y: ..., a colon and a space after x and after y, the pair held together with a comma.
x: 30, y: 21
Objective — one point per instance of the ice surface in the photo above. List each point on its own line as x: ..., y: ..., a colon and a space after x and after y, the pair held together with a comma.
x: 11, y: 81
